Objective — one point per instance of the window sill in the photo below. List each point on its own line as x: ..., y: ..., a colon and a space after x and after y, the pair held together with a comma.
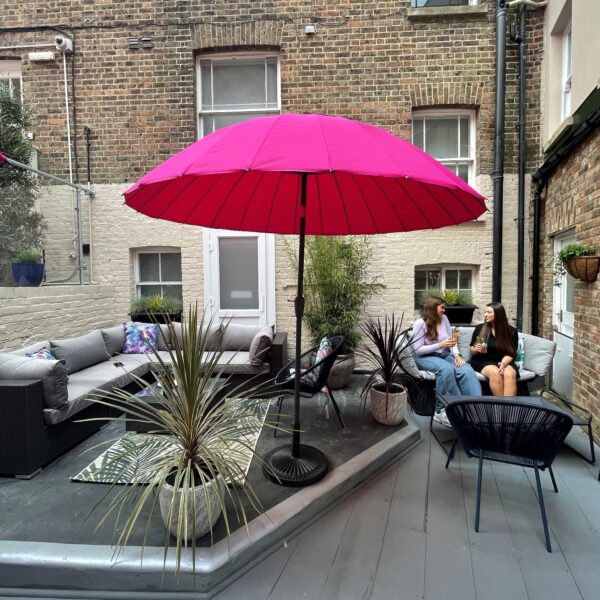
x: 434, y: 12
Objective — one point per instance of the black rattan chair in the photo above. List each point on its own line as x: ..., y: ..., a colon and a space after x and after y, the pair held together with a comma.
x: 313, y: 378
x: 516, y: 433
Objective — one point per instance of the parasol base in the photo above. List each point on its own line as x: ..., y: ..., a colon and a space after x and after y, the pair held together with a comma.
x: 284, y: 469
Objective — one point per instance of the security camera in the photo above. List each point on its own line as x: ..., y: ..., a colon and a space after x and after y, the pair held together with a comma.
x: 63, y: 44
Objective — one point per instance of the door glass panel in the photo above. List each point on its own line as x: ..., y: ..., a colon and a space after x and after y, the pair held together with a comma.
x: 238, y: 273
x: 570, y: 294
x: 149, y: 268
x: 171, y: 266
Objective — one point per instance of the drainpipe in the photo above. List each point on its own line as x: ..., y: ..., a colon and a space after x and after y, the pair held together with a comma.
x: 498, y: 174
x: 88, y: 143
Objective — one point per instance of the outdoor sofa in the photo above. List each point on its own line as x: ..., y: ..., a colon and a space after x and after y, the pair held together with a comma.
x: 42, y: 401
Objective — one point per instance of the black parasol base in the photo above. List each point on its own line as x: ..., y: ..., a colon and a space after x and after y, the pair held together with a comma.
x: 282, y: 468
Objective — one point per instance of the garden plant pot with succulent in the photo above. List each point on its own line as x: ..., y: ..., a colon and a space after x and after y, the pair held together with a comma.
x: 382, y: 350
x: 209, y: 435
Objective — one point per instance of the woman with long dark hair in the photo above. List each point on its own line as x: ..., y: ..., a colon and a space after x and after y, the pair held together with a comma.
x: 436, y: 350
x: 494, y: 347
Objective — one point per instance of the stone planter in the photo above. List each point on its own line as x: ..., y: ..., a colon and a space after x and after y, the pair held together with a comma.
x: 584, y: 268
x: 388, y: 409
x: 203, y: 523
x: 460, y: 314
x: 152, y: 317
x: 341, y: 372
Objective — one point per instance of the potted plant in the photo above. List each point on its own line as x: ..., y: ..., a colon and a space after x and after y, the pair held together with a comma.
x: 209, y: 439
x: 459, y: 304
x: 156, y: 309
x: 388, y: 397
x: 578, y: 260
x: 27, y: 267
x: 337, y: 286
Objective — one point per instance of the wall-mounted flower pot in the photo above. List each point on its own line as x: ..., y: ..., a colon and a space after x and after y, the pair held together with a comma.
x: 460, y: 315
x: 584, y: 268
x: 28, y: 274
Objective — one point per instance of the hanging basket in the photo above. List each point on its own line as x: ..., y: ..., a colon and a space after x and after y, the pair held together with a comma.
x: 584, y: 268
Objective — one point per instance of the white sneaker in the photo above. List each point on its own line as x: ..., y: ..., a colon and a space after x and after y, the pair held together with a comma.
x: 442, y: 419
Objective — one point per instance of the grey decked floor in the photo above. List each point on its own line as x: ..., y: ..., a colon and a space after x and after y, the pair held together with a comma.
x: 409, y: 535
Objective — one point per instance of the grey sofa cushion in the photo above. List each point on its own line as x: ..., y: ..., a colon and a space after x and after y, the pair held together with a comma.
x: 114, y: 339
x: 52, y: 373
x: 212, y: 343
x: 259, y: 347
x: 45, y: 345
x: 407, y: 360
x: 238, y: 337
x: 539, y: 353
x: 80, y: 352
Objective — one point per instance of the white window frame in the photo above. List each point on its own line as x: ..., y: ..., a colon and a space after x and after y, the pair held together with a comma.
x: 567, y: 62
x: 11, y: 69
x: 228, y: 57
x: 444, y: 113
x: 153, y: 250
x: 443, y: 269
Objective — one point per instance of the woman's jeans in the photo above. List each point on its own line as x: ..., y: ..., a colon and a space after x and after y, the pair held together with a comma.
x: 450, y: 379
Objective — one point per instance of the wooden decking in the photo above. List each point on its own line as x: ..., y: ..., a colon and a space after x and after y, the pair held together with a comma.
x: 409, y: 535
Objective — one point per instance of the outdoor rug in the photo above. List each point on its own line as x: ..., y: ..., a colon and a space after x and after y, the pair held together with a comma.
x: 132, y: 453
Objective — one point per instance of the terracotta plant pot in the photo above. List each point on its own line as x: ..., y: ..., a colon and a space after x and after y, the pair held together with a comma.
x: 203, y: 523
x: 390, y: 408
x: 341, y: 372
x: 584, y: 268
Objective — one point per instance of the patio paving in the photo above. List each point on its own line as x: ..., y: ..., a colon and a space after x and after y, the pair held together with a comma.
x: 408, y: 533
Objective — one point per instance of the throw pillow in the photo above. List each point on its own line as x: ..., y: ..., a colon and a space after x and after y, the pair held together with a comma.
x: 260, y: 346
x: 324, y: 350
x: 140, y: 339
x: 41, y: 353
x: 520, y: 359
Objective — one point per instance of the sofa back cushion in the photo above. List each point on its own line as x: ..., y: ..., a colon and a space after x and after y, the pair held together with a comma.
x: 81, y: 351
x: 538, y: 354
x: 260, y: 345
x: 52, y: 373
x: 238, y: 337
x: 114, y: 339
x: 32, y: 348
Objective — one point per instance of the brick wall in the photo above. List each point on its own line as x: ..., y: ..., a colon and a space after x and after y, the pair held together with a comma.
x: 573, y: 201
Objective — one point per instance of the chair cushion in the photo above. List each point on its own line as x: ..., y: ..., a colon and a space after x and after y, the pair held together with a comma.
x: 407, y: 360
x: 114, y: 339
x: 260, y: 345
x: 538, y: 354
x: 324, y: 350
x: 80, y: 352
x: 238, y: 337
x: 52, y: 373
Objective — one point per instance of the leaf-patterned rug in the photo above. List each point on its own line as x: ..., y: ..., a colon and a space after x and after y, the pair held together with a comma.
x: 135, y: 451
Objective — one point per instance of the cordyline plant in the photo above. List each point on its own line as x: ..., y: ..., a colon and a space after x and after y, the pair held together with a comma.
x: 208, y: 432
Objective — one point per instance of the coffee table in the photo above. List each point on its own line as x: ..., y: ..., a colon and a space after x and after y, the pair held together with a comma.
x: 152, y: 393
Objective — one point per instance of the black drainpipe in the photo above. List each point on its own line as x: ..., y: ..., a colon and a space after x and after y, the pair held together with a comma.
x: 498, y: 174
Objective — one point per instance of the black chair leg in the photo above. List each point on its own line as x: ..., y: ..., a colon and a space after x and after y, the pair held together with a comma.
x: 478, y: 503
x: 279, y: 404
x: 542, y: 508
x: 451, y: 453
x: 335, y: 407
x: 553, y: 480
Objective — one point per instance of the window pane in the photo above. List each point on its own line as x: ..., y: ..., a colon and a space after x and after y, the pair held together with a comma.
x: 272, y: 83
x: 418, y: 133
x: 434, y: 279
x: 239, y: 84
x: 149, y: 290
x: 451, y: 279
x: 149, y: 267
x: 465, y: 280
x: 427, y: 3
x: 238, y: 270
x: 570, y: 294
x: 170, y: 266
x: 172, y: 291
x: 206, y: 85
x: 441, y: 137
x: 464, y: 137
x: 211, y: 123
x: 463, y: 172
x: 420, y: 280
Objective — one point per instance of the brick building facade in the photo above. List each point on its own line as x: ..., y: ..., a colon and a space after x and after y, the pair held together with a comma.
x: 133, y: 80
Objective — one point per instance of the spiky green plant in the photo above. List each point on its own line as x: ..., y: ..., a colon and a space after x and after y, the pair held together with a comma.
x: 209, y: 434
x: 156, y: 304
x: 450, y: 297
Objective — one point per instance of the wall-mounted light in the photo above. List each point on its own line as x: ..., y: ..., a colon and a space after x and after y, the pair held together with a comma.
x: 310, y: 29
x: 63, y: 43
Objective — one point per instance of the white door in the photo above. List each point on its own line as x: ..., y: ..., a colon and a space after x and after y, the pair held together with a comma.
x: 563, y: 321
x: 239, y: 276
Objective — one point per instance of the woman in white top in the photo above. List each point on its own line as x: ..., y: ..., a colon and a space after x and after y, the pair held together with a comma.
x: 436, y: 350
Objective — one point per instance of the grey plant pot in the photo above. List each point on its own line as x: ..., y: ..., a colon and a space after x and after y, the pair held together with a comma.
x: 388, y: 409
x: 341, y: 372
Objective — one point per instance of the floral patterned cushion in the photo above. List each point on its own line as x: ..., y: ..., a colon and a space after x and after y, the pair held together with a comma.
x: 41, y: 353
x: 140, y: 339
x: 325, y: 349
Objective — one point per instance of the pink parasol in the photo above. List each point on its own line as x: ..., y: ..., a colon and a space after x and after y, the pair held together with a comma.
x: 304, y: 174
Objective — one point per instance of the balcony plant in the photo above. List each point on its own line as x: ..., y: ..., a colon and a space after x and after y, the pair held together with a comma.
x: 381, y: 350
x: 27, y: 267
x: 337, y: 286
x: 156, y: 309
x: 459, y: 304
x: 578, y: 260
x: 209, y: 438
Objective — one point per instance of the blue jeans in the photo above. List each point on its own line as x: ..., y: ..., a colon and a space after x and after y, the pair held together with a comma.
x: 450, y: 379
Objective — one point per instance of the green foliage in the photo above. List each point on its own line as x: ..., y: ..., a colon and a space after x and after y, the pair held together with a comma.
x: 210, y: 436
x: 569, y: 251
x: 21, y: 226
x: 337, y: 286
x: 156, y: 304
x: 27, y: 255
x: 450, y: 297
